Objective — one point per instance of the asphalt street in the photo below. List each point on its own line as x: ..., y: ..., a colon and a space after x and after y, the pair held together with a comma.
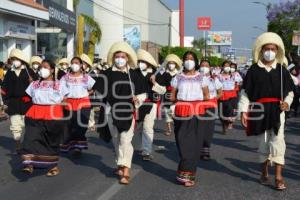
x: 232, y: 174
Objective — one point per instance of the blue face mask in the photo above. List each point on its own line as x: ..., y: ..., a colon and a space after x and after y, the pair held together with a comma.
x: 120, y: 62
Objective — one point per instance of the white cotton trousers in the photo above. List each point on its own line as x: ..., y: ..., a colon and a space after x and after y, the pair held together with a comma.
x: 122, y: 143
x: 271, y: 146
x: 17, y: 125
x: 170, y: 113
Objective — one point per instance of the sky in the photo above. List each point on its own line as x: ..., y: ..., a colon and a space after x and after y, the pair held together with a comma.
x: 238, y: 16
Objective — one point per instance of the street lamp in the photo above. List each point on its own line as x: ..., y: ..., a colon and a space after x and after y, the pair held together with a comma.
x: 263, y: 4
x: 260, y: 3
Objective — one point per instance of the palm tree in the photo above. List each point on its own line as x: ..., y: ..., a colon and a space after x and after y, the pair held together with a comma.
x: 199, y: 44
x: 95, y: 32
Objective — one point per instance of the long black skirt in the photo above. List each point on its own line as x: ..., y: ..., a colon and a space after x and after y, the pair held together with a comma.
x: 209, y: 128
x: 189, y: 139
x: 227, y: 109
x: 74, y: 136
x: 40, y: 147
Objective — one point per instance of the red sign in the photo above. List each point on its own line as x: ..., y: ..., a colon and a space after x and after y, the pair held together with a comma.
x: 204, y: 23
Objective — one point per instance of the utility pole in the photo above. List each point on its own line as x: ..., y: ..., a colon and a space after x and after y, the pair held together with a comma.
x: 181, y: 22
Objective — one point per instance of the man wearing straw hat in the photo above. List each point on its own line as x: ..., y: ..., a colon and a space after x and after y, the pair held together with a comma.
x: 120, y: 87
x: 35, y: 63
x: 15, y: 82
x: 148, y: 111
x: 173, y: 66
x: 63, y: 68
x: 267, y: 93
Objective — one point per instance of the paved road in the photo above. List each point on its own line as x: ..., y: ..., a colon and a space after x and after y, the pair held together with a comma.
x: 231, y: 175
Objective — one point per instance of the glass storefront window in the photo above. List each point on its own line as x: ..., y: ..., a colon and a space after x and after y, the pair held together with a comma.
x: 52, y: 45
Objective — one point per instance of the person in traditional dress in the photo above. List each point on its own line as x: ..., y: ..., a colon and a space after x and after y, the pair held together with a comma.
x: 35, y: 63
x: 80, y: 86
x: 173, y: 65
x: 62, y: 68
x: 148, y: 111
x: 215, y: 92
x: 123, y: 95
x: 43, y: 122
x: 228, y: 100
x: 190, y: 89
x: 267, y: 93
x: 16, y: 80
x: 87, y: 67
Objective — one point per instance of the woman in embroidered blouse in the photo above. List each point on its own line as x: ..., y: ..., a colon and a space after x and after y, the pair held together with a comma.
x: 43, y: 122
x: 80, y: 86
x: 190, y: 89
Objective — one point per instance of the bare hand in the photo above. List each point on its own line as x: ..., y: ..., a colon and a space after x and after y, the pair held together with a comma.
x: 244, y: 119
x: 153, y: 79
x: 284, y: 106
x: 135, y: 100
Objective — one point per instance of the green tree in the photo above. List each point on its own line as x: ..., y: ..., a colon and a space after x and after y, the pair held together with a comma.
x: 179, y: 51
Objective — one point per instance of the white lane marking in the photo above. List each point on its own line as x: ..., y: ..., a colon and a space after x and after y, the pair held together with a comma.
x: 116, y: 187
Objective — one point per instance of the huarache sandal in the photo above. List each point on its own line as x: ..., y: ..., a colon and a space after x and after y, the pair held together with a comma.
x: 280, y: 185
x: 119, y: 171
x: 189, y: 184
x: 28, y: 169
x: 124, y: 180
x: 53, y: 172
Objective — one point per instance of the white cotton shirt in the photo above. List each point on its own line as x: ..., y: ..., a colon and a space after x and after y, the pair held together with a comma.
x: 47, y: 92
x: 227, y: 81
x: 237, y: 77
x: 189, y: 88
x: 213, y: 86
x: 78, y: 87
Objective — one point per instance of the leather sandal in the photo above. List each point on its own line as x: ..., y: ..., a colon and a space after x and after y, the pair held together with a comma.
x: 53, y: 172
x: 189, y: 184
x: 280, y: 185
x: 124, y: 180
x: 28, y: 169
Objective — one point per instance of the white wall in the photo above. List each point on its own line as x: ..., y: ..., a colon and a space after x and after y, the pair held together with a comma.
x: 110, y: 24
x: 146, y: 13
x: 175, y: 37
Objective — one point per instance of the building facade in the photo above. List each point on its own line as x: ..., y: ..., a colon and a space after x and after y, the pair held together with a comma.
x: 18, y: 26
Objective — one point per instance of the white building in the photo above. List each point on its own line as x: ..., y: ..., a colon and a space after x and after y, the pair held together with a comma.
x: 148, y: 24
x: 17, y: 26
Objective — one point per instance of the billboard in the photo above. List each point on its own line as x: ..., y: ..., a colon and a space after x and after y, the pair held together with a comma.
x: 296, y: 38
x: 132, y: 35
x: 204, y: 23
x: 219, y: 38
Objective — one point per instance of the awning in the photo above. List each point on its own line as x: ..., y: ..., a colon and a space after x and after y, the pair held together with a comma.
x: 24, y: 8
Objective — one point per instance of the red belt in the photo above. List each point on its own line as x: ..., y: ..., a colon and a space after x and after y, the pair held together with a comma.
x: 77, y: 104
x: 268, y: 100
x: 45, y: 112
x: 228, y: 94
x: 187, y: 109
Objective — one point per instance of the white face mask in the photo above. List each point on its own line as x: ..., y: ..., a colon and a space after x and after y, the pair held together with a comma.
x: 142, y: 66
x: 17, y: 63
x: 75, y: 67
x: 120, y: 62
x: 44, y: 73
x: 35, y: 66
x: 227, y: 69
x: 269, y: 55
x: 189, y: 64
x: 172, y: 67
x: 232, y: 70
x: 204, y: 70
